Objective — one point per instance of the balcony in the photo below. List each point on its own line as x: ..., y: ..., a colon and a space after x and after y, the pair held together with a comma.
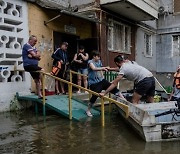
x: 137, y: 10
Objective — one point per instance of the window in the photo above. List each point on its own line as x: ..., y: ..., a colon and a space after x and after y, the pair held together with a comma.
x: 148, y: 44
x: 176, y: 6
x: 119, y: 37
x: 176, y: 46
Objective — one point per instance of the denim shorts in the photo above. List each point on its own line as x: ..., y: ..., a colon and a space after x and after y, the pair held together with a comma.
x: 83, y: 71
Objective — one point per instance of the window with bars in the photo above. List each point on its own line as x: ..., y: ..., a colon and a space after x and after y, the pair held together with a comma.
x: 148, y: 44
x: 119, y: 37
x: 176, y: 45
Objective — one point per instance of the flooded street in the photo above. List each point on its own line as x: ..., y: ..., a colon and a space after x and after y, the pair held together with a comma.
x: 27, y: 133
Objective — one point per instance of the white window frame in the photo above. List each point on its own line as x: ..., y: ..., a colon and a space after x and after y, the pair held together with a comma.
x: 149, y: 52
x: 173, y: 54
x: 111, y: 37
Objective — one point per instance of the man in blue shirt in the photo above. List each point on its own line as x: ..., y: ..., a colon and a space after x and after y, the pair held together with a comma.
x: 31, y: 57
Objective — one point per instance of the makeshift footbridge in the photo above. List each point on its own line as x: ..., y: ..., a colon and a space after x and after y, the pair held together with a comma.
x: 59, y: 103
x: 66, y: 105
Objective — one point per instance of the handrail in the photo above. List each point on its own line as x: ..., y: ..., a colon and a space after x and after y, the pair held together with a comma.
x: 124, y: 107
x: 107, y: 98
x: 73, y: 72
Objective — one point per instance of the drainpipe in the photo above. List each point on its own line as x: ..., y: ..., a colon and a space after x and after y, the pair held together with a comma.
x: 100, y: 31
x: 47, y: 22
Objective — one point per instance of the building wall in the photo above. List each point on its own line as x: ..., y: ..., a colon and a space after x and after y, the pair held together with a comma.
x: 108, y: 56
x: 38, y: 15
x: 13, y: 34
x: 18, y: 20
x: 81, y: 2
x: 130, y: 56
x: 168, y: 25
x: 141, y: 58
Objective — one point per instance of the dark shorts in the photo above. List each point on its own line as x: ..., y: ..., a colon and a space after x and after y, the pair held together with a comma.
x: 98, y: 87
x: 146, y: 87
x: 61, y: 73
x: 32, y: 70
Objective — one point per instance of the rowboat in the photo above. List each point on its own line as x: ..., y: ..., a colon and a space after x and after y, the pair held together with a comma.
x: 154, y: 121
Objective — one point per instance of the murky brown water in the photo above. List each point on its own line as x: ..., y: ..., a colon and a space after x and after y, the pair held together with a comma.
x: 27, y: 133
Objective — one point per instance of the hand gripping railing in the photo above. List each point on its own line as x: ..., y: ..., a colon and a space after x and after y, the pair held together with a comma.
x: 124, y: 107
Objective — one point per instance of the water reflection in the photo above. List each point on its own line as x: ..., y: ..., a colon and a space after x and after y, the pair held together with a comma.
x: 27, y: 133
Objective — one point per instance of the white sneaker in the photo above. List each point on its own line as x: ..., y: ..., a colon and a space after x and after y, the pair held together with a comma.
x: 78, y: 92
x: 89, y: 114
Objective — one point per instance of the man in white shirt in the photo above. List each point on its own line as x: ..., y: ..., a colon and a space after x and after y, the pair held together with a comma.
x: 143, y: 79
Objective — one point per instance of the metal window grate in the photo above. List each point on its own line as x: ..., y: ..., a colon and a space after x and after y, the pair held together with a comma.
x: 119, y: 37
x: 148, y: 44
x: 176, y: 46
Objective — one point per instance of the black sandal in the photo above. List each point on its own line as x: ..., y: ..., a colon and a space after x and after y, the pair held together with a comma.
x: 42, y: 98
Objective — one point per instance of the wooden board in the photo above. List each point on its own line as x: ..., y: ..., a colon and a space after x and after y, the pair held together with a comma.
x: 59, y: 103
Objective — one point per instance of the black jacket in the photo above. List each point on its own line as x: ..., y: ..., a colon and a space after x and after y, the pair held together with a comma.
x: 58, y: 55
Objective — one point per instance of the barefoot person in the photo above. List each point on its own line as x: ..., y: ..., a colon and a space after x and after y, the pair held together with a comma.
x: 96, y: 80
x: 143, y: 79
x: 31, y: 57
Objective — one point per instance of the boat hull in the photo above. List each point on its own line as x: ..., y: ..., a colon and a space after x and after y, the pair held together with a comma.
x: 150, y: 128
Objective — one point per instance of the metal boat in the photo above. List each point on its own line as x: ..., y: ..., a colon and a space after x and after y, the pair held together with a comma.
x: 154, y: 121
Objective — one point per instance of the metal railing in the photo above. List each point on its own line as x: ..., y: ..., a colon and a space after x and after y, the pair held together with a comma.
x: 110, y: 75
x: 124, y: 107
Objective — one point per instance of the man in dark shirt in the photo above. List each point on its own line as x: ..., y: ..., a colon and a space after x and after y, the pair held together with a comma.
x: 31, y: 57
x: 60, y: 55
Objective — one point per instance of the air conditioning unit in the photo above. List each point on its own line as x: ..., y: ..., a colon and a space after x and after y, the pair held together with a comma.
x: 163, y: 10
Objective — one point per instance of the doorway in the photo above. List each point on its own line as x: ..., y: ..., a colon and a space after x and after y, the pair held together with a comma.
x: 71, y: 39
x: 89, y: 44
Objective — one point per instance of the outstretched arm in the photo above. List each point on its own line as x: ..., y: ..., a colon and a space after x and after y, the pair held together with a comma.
x: 113, y: 85
x: 113, y: 69
x: 91, y: 65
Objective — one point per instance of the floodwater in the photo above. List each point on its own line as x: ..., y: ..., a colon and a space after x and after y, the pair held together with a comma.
x: 25, y: 132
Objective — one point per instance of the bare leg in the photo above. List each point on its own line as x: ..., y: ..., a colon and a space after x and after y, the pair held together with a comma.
x: 79, y: 82
x: 121, y: 96
x: 150, y: 99
x: 38, y: 87
x: 62, y: 87
x: 57, y: 86
x: 85, y: 81
x: 136, y: 98
x: 88, y: 112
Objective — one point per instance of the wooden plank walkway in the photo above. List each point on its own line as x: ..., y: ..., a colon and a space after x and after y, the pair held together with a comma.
x: 59, y: 103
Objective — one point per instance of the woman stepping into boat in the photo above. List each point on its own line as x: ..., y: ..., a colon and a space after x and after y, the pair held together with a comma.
x: 96, y: 80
